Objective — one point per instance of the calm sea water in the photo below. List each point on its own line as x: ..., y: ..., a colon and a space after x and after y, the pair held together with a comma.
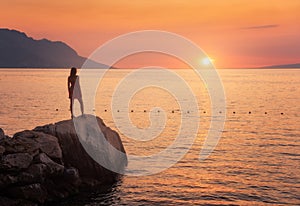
x: 257, y: 160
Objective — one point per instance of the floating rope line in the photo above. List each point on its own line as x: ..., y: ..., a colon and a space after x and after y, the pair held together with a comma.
x: 188, y: 112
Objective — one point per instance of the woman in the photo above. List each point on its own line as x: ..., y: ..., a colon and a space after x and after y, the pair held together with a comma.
x: 74, y: 90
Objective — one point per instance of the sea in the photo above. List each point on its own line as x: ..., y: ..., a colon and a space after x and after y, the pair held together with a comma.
x: 257, y: 157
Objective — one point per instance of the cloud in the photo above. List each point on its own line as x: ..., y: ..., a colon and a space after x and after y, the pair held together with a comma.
x: 268, y: 26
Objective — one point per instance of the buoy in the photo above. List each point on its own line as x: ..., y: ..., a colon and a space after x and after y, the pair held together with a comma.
x: 266, y: 112
x: 204, y: 112
x: 158, y: 111
x: 145, y: 110
x: 172, y: 111
x: 56, y: 109
x: 233, y: 112
x: 118, y: 110
x: 281, y: 113
x: 249, y: 112
x: 105, y: 110
x: 131, y: 110
x: 188, y: 112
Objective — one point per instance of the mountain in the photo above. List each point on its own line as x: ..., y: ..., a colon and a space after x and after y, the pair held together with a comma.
x: 17, y: 50
x: 284, y: 66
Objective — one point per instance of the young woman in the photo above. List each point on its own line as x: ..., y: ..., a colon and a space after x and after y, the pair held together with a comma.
x: 74, y: 90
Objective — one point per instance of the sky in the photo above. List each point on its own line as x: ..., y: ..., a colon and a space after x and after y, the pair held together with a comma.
x: 234, y: 33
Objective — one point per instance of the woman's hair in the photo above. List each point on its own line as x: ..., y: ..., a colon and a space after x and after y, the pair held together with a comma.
x: 73, y: 71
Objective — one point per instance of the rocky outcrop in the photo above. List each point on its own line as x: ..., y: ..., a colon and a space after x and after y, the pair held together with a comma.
x: 49, y: 163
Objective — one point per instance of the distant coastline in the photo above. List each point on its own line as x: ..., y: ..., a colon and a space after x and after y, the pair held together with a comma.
x: 283, y: 66
x: 263, y: 68
x: 17, y: 50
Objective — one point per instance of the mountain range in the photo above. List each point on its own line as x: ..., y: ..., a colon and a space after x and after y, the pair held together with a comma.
x: 17, y: 50
x: 283, y: 66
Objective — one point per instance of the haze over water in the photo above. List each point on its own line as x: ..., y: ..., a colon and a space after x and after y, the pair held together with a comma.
x: 256, y: 162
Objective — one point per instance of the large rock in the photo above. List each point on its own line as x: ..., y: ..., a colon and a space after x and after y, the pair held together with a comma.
x: 15, y: 162
x: 49, y: 162
x: 52, y: 167
x: 49, y: 145
x: 22, y: 142
x: 36, y: 173
x: 30, y: 141
x: 76, y: 156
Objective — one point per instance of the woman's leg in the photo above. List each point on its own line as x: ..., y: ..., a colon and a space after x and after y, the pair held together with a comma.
x: 81, y: 105
x: 71, y: 106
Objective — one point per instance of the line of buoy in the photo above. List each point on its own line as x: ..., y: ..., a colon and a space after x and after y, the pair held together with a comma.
x: 173, y: 111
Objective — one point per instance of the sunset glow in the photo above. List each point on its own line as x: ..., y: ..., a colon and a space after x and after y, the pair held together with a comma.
x: 207, y: 61
x: 237, y: 33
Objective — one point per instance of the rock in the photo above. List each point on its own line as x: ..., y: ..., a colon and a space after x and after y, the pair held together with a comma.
x: 63, y: 186
x: 2, y: 135
x: 15, y: 162
x: 31, y: 142
x: 49, y: 145
x: 36, y: 173
x: 52, y: 167
x: 15, y: 202
x: 27, y: 178
x: 34, y: 192
x: 47, y: 129
x: 20, y: 144
x: 71, y: 174
x: 6, y: 180
x: 26, y: 134
x: 50, y: 162
x: 2, y: 150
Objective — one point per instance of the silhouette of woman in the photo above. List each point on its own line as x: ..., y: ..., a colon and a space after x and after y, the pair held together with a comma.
x: 74, y: 90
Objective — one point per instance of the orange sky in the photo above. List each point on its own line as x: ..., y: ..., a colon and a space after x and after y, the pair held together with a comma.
x: 235, y: 33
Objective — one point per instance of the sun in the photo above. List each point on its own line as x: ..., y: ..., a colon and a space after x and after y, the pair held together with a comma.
x: 207, y: 61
